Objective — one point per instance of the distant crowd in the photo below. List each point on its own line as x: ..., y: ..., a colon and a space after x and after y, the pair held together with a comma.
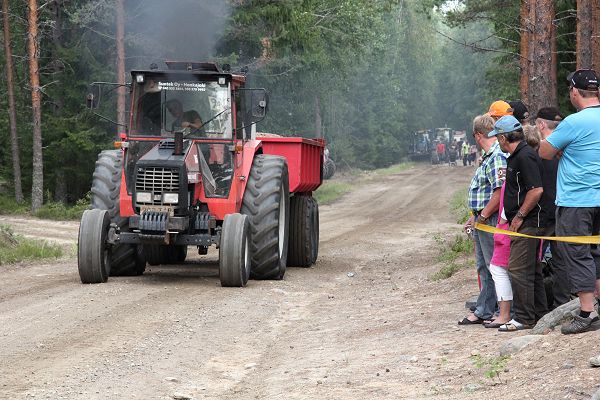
x: 457, y: 150
x: 539, y: 175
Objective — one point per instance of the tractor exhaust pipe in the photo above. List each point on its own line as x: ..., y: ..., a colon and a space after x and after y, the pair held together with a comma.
x: 178, y: 151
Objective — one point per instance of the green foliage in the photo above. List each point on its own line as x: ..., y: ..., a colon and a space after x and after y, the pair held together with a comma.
x: 458, y: 206
x: 8, y: 205
x: 373, y: 70
x: 14, y: 248
x: 61, y: 212
x: 492, y: 366
x: 495, y: 32
x: 455, y: 254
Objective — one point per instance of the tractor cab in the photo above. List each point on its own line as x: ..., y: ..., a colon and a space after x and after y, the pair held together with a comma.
x: 206, y: 108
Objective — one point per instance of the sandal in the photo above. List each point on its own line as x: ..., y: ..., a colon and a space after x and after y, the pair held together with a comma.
x: 467, y: 321
x: 513, y: 326
x: 494, y: 324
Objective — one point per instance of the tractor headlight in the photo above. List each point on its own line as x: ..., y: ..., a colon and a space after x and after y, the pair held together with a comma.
x: 143, y: 197
x: 170, y: 198
x: 139, y: 78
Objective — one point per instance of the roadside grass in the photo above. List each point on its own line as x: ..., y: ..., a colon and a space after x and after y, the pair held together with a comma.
x: 60, y: 212
x: 53, y: 210
x: 492, y: 366
x: 455, y: 253
x: 393, y: 169
x: 332, y: 190
x: 8, y: 205
x: 458, y: 206
x: 15, y: 248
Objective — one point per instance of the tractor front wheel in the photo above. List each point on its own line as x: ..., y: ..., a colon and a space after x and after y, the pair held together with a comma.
x: 234, y: 251
x: 93, y: 252
x: 125, y: 259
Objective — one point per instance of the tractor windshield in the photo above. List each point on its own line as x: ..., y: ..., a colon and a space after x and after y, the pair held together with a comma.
x: 163, y: 105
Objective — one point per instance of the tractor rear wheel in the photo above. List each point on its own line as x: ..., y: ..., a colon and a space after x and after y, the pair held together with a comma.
x: 234, y: 251
x: 266, y: 203
x: 126, y: 259
x: 176, y: 254
x: 155, y: 254
x: 93, y: 253
x: 304, y: 231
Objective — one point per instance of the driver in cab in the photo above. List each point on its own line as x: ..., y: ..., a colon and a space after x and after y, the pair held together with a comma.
x: 188, y: 119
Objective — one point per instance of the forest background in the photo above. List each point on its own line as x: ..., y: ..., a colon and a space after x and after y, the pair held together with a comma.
x: 366, y: 74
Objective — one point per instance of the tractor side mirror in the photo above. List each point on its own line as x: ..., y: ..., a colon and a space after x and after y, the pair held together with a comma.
x: 259, y: 104
x: 92, y: 99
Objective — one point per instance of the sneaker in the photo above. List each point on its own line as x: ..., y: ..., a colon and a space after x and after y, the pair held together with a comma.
x: 579, y: 324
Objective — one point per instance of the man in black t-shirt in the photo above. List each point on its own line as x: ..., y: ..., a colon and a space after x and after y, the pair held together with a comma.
x: 546, y: 120
x: 525, y: 214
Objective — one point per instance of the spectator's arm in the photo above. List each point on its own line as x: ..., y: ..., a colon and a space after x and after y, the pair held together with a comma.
x: 532, y: 197
x: 547, y: 151
x: 492, y: 206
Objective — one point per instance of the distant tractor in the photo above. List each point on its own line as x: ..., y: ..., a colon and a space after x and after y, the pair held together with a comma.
x: 190, y: 171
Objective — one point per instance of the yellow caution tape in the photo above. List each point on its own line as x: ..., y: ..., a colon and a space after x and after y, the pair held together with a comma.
x: 568, y: 239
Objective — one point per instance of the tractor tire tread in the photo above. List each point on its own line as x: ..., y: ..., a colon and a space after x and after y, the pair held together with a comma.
x: 261, y: 204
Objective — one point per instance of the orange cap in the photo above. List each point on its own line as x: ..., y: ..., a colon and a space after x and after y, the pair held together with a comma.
x: 500, y: 108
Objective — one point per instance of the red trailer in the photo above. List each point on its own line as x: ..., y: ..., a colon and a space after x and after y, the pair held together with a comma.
x: 190, y: 171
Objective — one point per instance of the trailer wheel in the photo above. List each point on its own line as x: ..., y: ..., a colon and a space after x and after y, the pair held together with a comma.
x: 126, y: 259
x: 314, y: 237
x: 304, y: 231
x: 93, y: 253
x: 234, y: 251
x: 328, y: 169
x: 266, y: 203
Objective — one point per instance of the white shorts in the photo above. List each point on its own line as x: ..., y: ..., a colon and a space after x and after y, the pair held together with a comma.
x: 502, y: 283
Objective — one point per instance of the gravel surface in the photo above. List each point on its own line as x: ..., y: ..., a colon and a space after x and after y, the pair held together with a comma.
x: 365, y: 322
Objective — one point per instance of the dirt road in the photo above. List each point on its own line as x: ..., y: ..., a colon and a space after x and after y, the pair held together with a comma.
x: 364, y: 323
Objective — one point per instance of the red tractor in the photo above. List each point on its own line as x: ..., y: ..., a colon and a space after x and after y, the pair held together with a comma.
x: 190, y: 171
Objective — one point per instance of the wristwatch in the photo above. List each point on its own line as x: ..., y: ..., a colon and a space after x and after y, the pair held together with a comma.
x: 483, y: 218
x: 520, y: 215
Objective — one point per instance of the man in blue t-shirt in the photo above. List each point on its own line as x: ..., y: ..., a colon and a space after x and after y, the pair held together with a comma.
x: 577, y: 142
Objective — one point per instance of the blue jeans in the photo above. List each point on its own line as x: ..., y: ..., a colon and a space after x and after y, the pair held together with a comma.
x: 484, y: 248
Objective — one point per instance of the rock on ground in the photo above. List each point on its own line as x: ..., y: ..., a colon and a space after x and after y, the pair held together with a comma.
x: 517, y: 344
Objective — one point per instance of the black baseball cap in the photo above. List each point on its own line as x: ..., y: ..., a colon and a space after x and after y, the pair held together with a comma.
x: 585, y: 79
x: 520, y: 110
x: 549, y: 113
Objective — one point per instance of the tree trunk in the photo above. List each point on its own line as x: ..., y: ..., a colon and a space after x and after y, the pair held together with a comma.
x: 12, y: 113
x: 37, y: 187
x: 542, y: 86
x: 58, y: 102
x: 318, y: 121
x: 524, y: 62
x: 121, y: 91
x: 596, y: 35
x: 584, y: 34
